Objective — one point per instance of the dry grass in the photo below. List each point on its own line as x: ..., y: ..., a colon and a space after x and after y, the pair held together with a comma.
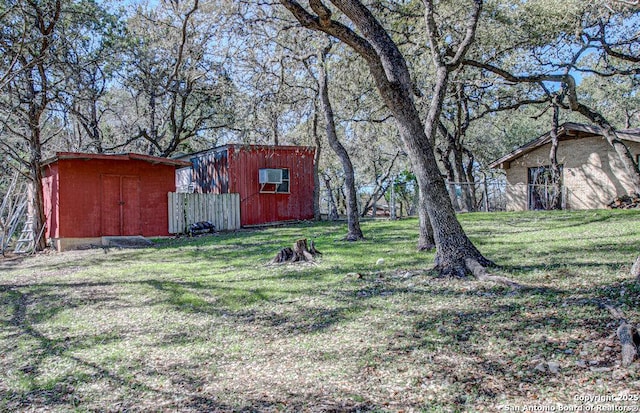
x: 207, y: 325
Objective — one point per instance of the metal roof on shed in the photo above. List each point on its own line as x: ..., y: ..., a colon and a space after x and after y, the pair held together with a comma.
x: 115, y: 157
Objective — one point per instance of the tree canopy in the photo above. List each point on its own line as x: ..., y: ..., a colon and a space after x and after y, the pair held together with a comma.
x: 173, y: 77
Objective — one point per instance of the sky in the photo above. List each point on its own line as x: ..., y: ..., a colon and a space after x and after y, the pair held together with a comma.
x: 126, y: 3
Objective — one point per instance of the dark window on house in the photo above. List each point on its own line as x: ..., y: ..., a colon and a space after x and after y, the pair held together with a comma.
x: 544, y: 192
x: 274, y: 181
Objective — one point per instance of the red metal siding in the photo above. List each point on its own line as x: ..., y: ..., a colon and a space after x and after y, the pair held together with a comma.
x: 210, y: 173
x: 120, y: 207
x: 79, y: 197
x: 244, y: 163
x: 130, y: 206
x: 110, y: 207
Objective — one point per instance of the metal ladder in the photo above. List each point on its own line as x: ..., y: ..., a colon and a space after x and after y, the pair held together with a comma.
x: 12, y: 211
x: 26, y: 242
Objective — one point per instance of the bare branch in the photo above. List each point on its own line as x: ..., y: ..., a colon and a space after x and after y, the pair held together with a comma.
x: 183, y: 40
x: 434, y: 37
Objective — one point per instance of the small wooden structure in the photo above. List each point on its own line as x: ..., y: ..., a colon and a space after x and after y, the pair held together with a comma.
x: 275, y: 183
x: 592, y: 174
x: 91, y: 196
x: 222, y: 210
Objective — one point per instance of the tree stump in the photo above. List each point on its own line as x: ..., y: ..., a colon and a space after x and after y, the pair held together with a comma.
x: 301, y: 252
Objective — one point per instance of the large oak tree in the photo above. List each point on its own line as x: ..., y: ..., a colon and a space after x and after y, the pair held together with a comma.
x: 456, y: 254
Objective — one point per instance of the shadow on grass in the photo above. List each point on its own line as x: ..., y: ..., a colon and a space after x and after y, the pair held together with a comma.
x: 266, y: 304
x: 514, y: 316
x: 60, y: 392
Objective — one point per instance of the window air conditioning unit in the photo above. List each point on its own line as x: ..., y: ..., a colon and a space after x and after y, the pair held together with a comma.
x: 270, y: 176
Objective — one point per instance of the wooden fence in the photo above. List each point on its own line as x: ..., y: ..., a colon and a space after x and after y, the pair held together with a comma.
x: 185, y: 209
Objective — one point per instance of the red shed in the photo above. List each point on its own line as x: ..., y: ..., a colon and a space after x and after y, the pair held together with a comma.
x: 90, y: 196
x: 275, y: 183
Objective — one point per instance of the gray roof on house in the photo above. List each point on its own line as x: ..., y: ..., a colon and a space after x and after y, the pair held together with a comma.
x: 566, y: 131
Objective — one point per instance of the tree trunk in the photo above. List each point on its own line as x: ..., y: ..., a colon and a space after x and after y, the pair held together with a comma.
x: 453, y: 245
x: 153, y: 131
x: 341, y: 200
x: 392, y: 200
x: 96, y: 136
x: 37, y: 106
x: 316, y: 166
x: 36, y: 209
x: 451, y: 176
x: 470, y: 179
x: 382, y: 185
x: 393, y: 81
x: 33, y: 92
x: 333, y: 208
x: 461, y: 178
x: 426, y: 242
x: 276, y: 129
x: 456, y: 172
x: 556, y: 177
x: 454, y: 248
x: 353, y: 223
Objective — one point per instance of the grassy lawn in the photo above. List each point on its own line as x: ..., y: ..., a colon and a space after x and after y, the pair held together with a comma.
x: 206, y: 324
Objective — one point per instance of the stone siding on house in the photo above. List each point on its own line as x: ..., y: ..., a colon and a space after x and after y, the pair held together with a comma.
x: 592, y: 173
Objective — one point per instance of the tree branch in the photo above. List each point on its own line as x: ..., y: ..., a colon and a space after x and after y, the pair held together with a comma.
x: 331, y: 27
